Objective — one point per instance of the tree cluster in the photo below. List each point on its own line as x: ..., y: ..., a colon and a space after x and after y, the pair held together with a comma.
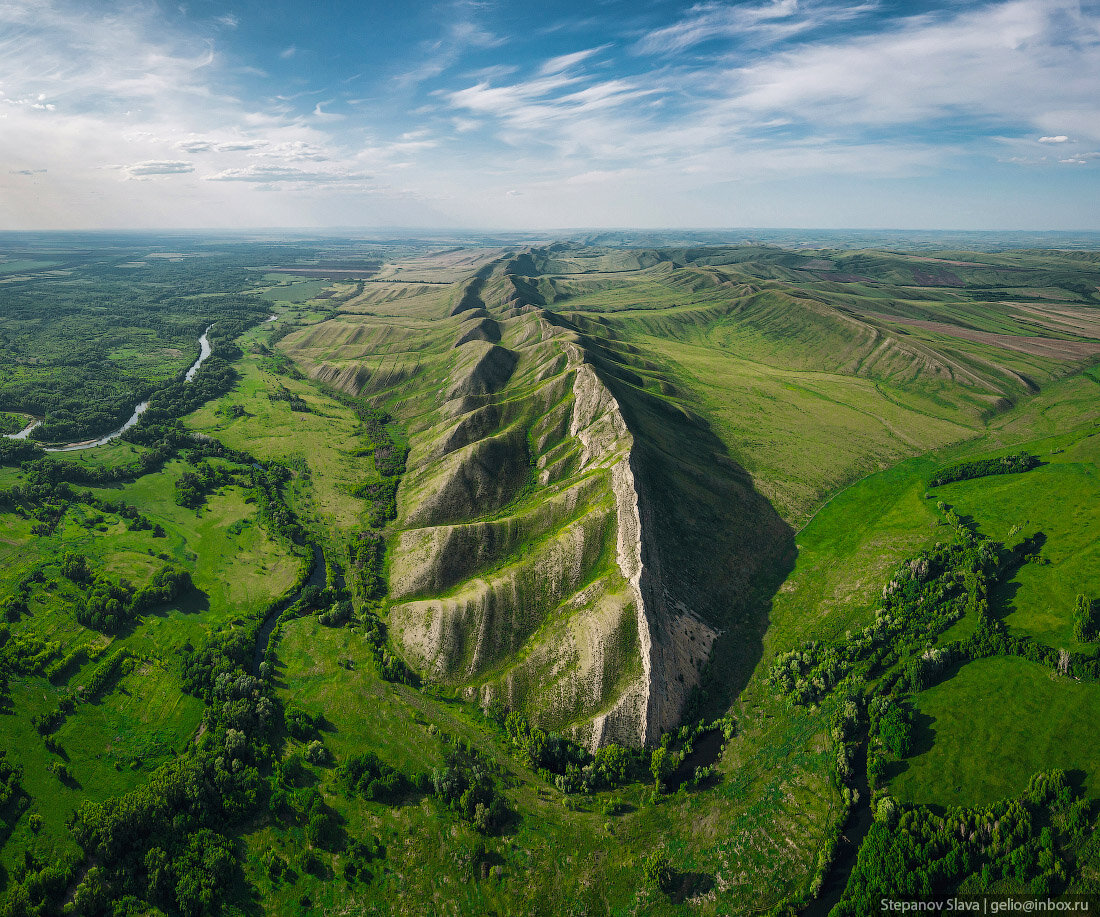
x: 981, y: 468
x: 466, y: 785
x: 1017, y: 845
x: 1086, y: 619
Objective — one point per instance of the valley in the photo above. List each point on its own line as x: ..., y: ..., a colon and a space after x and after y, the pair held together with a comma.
x: 541, y: 576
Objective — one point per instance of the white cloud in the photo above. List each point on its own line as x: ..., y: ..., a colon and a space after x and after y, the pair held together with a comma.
x: 768, y: 22
x: 126, y: 87
x: 206, y: 145
x: 460, y: 33
x: 326, y: 115
x: 159, y: 167
x: 240, y: 146
x: 275, y: 174
x: 787, y: 98
x: 1010, y: 62
x: 1082, y: 158
x: 568, y: 61
x: 288, y: 53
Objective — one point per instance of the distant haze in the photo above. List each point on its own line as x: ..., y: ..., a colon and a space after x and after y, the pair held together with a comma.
x: 475, y: 113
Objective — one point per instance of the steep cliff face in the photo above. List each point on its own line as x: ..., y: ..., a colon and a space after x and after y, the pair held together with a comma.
x: 541, y: 558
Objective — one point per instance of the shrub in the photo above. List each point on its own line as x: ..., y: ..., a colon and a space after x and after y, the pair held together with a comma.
x: 317, y: 753
x: 657, y: 871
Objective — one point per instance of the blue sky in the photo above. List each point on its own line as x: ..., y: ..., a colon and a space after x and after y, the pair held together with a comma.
x: 500, y: 114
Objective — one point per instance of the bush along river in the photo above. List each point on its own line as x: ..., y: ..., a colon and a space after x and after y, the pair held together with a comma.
x: 204, y: 352
x: 318, y: 576
x: 858, y: 823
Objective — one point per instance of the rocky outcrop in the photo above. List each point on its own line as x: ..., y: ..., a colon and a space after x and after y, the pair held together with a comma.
x: 530, y: 564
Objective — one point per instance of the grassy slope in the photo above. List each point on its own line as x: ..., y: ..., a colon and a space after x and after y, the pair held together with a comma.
x: 755, y: 831
x: 323, y: 439
x: 845, y: 554
x: 982, y: 733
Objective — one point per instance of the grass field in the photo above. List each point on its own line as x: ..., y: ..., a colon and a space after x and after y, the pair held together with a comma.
x: 1061, y: 500
x: 764, y: 823
x: 290, y: 290
x: 112, y: 743
x: 323, y: 440
x: 983, y: 733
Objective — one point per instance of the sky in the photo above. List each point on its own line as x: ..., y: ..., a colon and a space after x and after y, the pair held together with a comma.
x: 561, y: 114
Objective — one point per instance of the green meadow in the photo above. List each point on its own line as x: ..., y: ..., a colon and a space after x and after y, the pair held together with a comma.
x: 983, y: 733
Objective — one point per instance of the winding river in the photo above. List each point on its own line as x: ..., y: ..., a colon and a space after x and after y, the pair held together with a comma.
x: 204, y: 353
x: 858, y: 823
x: 318, y: 576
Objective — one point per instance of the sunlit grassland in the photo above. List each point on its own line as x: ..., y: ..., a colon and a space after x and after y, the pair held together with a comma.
x: 24, y: 264
x: 849, y: 549
x: 133, y: 729
x: 848, y: 552
x: 212, y: 541
x: 323, y: 440
x: 110, y: 745
x: 760, y: 828
x: 114, y: 740
x: 1064, y: 405
x: 767, y: 415
x: 288, y: 289
x: 1061, y: 500
x: 981, y: 734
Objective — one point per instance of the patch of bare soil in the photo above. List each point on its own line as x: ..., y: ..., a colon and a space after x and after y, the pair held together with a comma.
x: 1051, y: 348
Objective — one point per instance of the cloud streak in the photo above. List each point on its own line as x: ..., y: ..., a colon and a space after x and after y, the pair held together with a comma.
x: 769, y: 22
x: 159, y: 167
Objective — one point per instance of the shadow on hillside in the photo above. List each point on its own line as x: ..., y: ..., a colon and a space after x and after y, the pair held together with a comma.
x: 717, y: 546
x: 924, y: 734
x: 923, y: 738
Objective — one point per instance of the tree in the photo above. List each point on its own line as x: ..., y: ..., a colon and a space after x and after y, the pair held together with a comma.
x: 204, y: 869
x: 658, y: 871
x: 1086, y: 619
x: 613, y: 764
x: 662, y: 764
x: 317, y: 753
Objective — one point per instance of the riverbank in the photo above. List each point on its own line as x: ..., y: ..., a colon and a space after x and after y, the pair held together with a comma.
x: 205, y: 351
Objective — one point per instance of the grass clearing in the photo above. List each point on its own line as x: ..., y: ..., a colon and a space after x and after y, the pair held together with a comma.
x: 982, y: 734
x: 323, y: 440
x: 1060, y: 499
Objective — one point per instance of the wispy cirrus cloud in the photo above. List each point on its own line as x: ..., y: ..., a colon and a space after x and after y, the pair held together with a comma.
x: 568, y: 61
x: 598, y: 117
x: 212, y: 146
x: 267, y: 174
x: 462, y: 32
x: 1000, y: 69
x: 774, y: 21
x: 85, y: 93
